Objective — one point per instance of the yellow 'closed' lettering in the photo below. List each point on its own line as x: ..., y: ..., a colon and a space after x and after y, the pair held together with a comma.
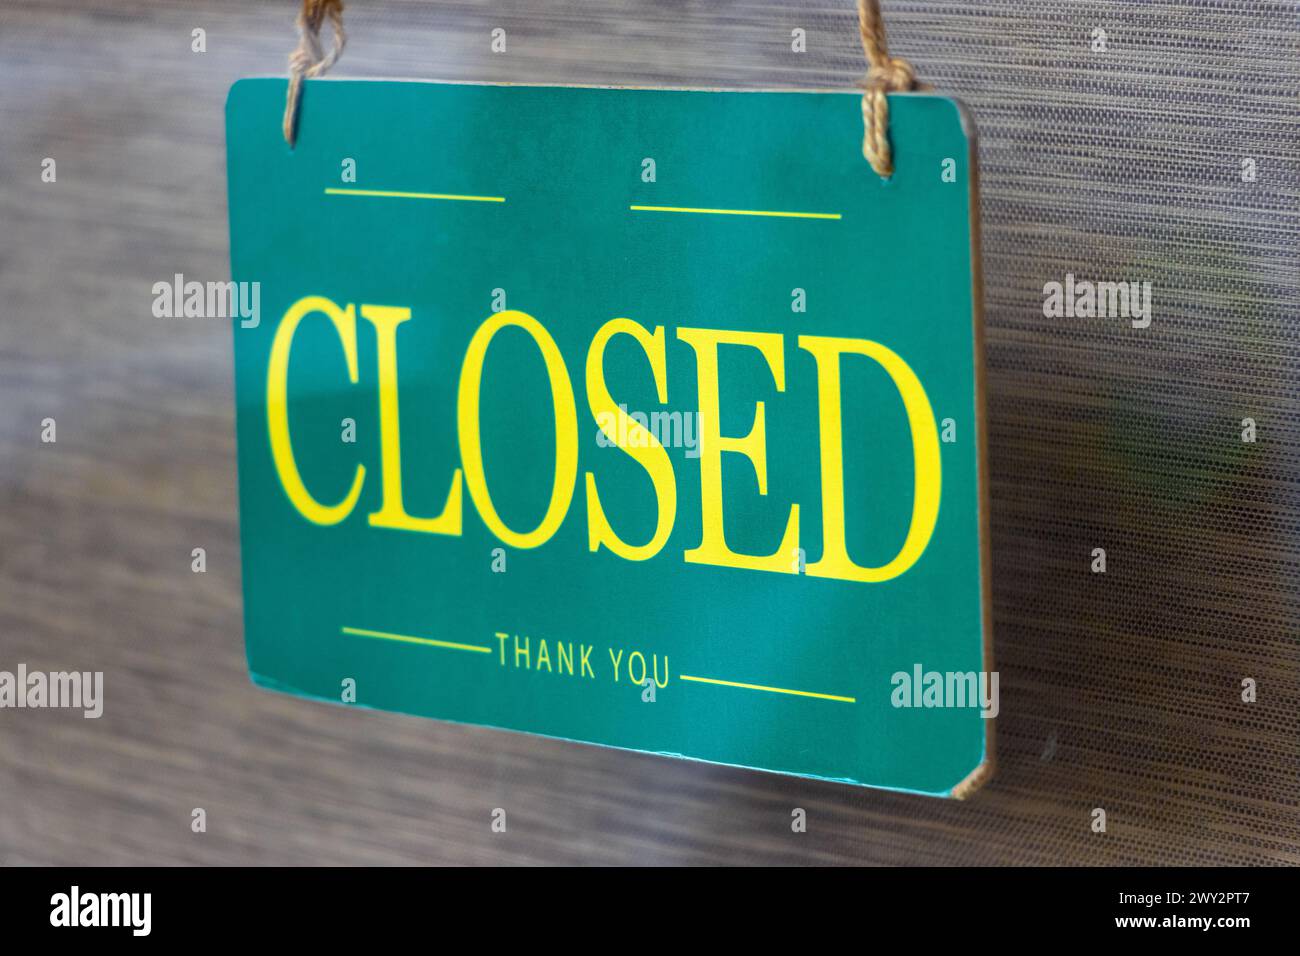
x: 641, y: 445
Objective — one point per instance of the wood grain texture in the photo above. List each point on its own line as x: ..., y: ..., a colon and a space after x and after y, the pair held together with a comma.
x: 1120, y: 691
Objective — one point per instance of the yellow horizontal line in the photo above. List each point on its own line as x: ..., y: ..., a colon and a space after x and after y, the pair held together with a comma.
x: 393, y: 194
x: 774, y: 690
x: 408, y: 639
x: 739, y: 212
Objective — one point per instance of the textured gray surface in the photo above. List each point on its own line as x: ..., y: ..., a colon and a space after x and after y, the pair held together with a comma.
x: 1119, y: 691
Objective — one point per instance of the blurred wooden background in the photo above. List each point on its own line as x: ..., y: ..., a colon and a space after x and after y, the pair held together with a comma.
x: 1120, y: 691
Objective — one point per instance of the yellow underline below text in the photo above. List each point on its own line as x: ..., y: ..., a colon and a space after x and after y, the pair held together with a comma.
x: 772, y: 690
x: 408, y: 639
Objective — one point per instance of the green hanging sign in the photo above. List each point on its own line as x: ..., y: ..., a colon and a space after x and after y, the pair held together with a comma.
x: 643, y: 418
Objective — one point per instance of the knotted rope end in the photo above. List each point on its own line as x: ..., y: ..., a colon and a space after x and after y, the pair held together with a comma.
x: 885, y: 74
x: 310, y: 58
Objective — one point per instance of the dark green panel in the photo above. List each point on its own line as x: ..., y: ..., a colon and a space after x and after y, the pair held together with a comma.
x: 896, y: 267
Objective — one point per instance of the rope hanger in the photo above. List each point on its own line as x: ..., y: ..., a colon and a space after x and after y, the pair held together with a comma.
x: 310, y: 58
x: 885, y: 74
